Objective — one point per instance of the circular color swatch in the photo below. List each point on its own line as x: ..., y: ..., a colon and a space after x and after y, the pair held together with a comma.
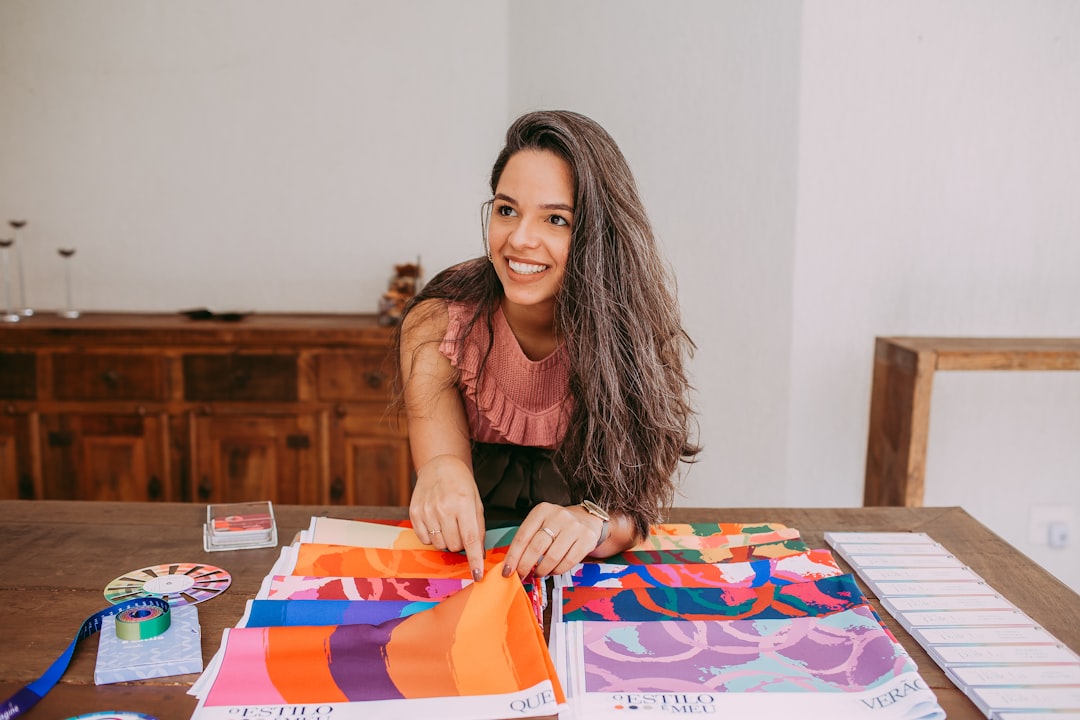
x: 176, y: 583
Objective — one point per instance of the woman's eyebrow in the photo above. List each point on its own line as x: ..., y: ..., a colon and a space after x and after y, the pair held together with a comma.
x: 546, y: 206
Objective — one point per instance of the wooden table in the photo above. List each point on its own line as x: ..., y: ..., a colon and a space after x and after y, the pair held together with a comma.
x: 58, y: 556
x: 900, y: 399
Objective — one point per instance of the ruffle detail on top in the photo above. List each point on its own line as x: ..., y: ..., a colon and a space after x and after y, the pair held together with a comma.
x: 519, y: 401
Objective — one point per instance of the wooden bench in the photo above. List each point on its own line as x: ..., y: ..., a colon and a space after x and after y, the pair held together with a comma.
x: 900, y: 399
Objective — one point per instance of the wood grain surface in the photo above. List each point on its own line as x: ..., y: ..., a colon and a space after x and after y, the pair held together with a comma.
x: 58, y: 556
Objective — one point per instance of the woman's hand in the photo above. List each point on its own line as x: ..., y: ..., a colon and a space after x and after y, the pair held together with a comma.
x: 552, y: 539
x: 446, y: 511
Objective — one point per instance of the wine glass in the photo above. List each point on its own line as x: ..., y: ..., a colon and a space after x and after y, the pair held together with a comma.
x: 71, y: 313
x: 10, y: 316
x: 24, y: 309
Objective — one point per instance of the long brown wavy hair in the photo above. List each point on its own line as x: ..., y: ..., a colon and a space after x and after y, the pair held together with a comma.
x: 618, y: 317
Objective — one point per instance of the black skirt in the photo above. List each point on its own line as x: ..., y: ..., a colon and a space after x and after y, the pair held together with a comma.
x: 512, y: 479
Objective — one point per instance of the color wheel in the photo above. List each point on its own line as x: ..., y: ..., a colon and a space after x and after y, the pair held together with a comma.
x: 176, y: 583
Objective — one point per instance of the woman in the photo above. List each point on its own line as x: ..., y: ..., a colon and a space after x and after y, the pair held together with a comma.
x: 544, y: 382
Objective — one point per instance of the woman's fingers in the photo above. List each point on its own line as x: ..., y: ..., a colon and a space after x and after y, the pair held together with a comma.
x: 453, y: 530
x: 550, y: 540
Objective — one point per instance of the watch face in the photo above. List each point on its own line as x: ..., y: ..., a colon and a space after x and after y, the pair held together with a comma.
x: 594, y: 509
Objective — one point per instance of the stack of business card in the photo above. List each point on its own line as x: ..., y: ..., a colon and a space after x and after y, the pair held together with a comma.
x: 997, y: 655
x: 177, y: 651
x: 239, y: 526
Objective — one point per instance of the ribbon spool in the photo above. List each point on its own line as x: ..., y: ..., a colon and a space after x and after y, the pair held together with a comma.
x: 143, y: 622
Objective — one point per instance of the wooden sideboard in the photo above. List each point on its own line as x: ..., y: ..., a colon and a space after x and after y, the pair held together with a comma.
x: 161, y: 407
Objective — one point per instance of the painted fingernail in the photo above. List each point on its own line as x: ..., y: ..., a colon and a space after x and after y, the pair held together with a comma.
x: 507, y: 570
x: 477, y: 573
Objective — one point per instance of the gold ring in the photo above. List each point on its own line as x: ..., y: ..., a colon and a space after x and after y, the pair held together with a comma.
x: 549, y: 532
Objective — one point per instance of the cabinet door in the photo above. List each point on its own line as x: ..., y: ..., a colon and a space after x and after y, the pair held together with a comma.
x: 369, y: 458
x: 16, y: 464
x: 105, y: 456
x: 239, y: 458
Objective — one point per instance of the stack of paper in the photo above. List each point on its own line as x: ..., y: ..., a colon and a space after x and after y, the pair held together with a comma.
x: 382, y: 628
x: 994, y: 652
x: 744, y: 619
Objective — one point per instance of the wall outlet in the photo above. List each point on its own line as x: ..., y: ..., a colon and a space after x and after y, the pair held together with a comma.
x: 1051, y: 525
x: 1057, y: 535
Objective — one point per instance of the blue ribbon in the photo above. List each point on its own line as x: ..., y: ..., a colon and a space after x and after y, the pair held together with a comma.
x: 29, y: 696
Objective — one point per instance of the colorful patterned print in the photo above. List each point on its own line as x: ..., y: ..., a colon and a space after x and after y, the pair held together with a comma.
x: 342, y: 560
x: 821, y: 597
x: 687, y: 539
x: 843, y: 652
x: 397, y: 536
x: 297, y: 587
x: 742, y: 553
x: 281, y: 613
x: 480, y: 641
x: 800, y: 567
x: 704, y: 529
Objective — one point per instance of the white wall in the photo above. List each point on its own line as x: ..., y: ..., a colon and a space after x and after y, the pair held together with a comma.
x: 242, y: 154
x: 818, y: 172
x: 703, y: 102
x: 939, y: 162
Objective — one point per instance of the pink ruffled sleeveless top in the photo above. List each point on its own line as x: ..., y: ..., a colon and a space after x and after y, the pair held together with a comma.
x: 516, y: 400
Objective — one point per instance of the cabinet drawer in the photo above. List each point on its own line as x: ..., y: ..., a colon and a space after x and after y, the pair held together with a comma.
x: 92, y: 376
x: 240, y: 378
x: 355, y: 375
x: 18, y: 376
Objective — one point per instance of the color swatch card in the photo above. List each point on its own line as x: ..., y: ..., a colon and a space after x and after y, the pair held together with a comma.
x: 997, y: 655
x: 1014, y: 675
x: 901, y: 604
x: 1013, y: 715
x: 968, y: 617
x: 991, y: 700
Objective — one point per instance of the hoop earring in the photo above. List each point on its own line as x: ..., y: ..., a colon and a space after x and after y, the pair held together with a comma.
x: 485, y: 222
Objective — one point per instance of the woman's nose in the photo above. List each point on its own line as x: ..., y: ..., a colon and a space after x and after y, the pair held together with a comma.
x: 524, y: 236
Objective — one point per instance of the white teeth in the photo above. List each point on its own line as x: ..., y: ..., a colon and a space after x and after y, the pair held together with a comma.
x: 525, y: 268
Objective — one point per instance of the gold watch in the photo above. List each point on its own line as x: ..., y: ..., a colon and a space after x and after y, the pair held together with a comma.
x: 594, y: 509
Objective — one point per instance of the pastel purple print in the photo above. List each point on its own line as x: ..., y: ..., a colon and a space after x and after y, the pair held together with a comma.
x: 844, y: 652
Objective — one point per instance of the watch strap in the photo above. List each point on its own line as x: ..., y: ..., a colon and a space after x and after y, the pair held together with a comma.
x: 605, y: 527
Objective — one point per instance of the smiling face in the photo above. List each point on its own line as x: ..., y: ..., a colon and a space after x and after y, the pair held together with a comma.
x: 532, y: 216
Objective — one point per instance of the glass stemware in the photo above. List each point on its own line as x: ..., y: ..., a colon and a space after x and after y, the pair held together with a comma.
x: 24, y: 309
x: 70, y: 312
x: 10, y: 316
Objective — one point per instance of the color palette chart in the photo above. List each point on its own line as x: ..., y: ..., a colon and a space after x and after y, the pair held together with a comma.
x: 1009, y: 666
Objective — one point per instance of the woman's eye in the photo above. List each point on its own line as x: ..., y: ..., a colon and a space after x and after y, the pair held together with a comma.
x: 559, y: 220
x: 505, y: 211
